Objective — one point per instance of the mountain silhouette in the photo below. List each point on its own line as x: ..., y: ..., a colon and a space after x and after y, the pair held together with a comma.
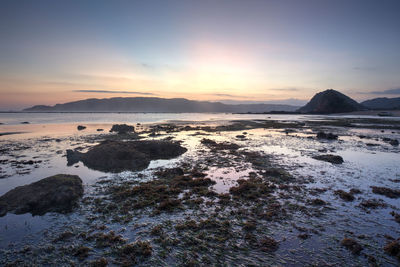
x: 382, y: 103
x: 155, y: 104
x: 331, y: 101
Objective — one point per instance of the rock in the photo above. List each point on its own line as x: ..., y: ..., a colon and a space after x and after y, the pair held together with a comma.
x: 170, y: 173
x: 330, y: 158
x: 122, y: 128
x: 72, y: 157
x: 99, y: 130
x: 81, y: 127
x: 373, y: 203
x: 394, y: 142
x: 58, y: 193
x: 269, y: 244
x: 318, y: 202
x: 329, y: 136
x: 344, y: 195
x: 219, y: 146
x: 396, y: 216
x: 352, y: 245
x: 393, y: 248
x: 391, y: 193
x: 372, y: 144
x: 25, y: 122
x: 117, y: 156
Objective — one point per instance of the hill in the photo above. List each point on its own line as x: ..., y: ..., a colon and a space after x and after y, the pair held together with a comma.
x: 331, y: 101
x: 382, y: 103
x: 155, y: 104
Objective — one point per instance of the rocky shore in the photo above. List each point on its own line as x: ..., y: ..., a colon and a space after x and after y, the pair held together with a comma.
x: 249, y: 192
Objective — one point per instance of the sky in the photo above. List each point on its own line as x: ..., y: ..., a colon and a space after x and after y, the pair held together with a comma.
x: 233, y: 51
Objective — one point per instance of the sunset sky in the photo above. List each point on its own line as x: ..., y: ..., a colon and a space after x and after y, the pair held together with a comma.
x: 58, y: 51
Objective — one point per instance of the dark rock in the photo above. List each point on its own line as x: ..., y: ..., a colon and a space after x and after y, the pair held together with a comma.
x: 25, y: 122
x: 303, y: 236
x: 72, y: 157
x: 58, y: 193
x: 81, y: 127
x: 330, y: 158
x: 122, y: 128
x: 373, y: 203
x: 355, y: 191
x: 329, y: 136
x: 170, y: 173
x: 393, y: 248
x: 318, y: 202
x: 100, y: 130
x: 102, y: 262
x: 268, y: 244
x: 352, y: 245
x: 64, y: 236
x: 394, y: 142
x: 117, y: 156
x: 82, y: 252
x: 396, y: 216
x: 219, y: 146
x: 391, y: 193
x: 344, y: 195
x: 372, y: 144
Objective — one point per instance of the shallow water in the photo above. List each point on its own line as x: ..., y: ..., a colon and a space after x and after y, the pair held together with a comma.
x: 100, y: 118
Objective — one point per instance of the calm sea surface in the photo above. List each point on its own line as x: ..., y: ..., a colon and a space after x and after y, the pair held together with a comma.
x: 60, y: 118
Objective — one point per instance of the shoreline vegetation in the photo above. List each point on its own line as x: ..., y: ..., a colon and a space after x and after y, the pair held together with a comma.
x: 226, y: 194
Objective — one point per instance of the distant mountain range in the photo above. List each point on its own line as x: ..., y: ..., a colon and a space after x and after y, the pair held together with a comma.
x: 382, y: 103
x: 326, y: 102
x: 155, y: 104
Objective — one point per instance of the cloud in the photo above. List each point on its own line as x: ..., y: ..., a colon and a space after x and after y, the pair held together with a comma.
x: 112, y: 92
x: 395, y: 91
x: 227, y: 95
x: 284, y: 89
x: 147, y: 66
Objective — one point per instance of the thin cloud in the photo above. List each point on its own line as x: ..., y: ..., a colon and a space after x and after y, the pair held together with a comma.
x: 395, y: 91
x: 112, y: 92
x: 226, y: 95
x: 147, y: 66
x: 285, y: 89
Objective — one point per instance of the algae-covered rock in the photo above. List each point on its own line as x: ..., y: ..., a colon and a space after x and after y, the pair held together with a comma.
x: 122, y: 128
x: 58, y: 193
x: 334, y: 159
x: 117, y: 156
